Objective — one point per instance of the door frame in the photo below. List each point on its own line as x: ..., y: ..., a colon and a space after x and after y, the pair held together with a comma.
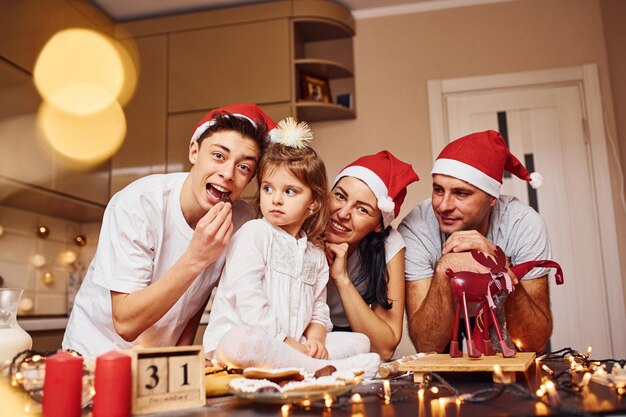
x: 586, y: 77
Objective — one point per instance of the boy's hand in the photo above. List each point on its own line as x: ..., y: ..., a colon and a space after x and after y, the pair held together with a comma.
x: 211, y: 235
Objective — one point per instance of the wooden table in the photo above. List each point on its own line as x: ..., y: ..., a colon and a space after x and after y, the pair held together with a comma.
x: 405, y: 401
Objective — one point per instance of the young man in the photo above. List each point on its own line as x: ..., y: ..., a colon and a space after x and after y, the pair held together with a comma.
x: 467, y: 212
x: 160, y: 252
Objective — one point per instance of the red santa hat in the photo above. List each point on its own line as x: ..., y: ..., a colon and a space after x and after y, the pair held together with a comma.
x: 250, y: 112
x: 386, y: 176
x: 480, y: 159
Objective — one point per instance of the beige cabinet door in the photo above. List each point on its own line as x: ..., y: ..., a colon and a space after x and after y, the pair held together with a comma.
x: 143, y: 152
x: 26, y: 26
x: 25, y: 158
x: 230, y: 64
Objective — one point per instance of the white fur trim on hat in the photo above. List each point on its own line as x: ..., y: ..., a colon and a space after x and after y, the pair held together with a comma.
x: 377, y: 186
x: 467, y: 173
x: 204, y: 126
x: 536, y: 180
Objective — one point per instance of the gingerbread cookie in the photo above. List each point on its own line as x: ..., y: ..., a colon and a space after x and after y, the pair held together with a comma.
x: 274, y: 375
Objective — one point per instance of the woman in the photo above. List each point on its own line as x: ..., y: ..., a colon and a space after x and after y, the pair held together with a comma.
x: 365, y: 254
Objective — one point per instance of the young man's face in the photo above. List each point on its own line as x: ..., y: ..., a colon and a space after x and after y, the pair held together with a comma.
x: 460, y: 206
x: 223, y: 164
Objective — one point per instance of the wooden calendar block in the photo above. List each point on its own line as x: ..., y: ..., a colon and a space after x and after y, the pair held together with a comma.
x: 167, y: 378
x: 152, y: 376
x: 184, y: 372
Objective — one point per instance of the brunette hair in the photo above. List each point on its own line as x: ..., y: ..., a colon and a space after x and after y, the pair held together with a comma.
x: 227, y: 121
x: 306, y: 165
x: 374, y: 268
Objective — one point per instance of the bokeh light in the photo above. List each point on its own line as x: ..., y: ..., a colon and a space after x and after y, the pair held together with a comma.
x: 87, y: 139
x: 79, y: 71
x: 84, y: 78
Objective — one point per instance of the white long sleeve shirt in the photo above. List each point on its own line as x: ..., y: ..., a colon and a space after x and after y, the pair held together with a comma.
x: 271, y: 281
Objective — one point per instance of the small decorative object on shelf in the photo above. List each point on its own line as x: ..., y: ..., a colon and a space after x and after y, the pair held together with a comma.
x: 345, y: 100
x: 315, y: 89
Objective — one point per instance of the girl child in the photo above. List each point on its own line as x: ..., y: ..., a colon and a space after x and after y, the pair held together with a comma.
x: 270, y: 307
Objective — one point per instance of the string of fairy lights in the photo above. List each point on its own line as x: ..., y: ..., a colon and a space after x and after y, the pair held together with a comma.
x: 26, y: 371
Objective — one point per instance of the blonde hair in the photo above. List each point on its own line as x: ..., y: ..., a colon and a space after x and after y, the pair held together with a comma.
x: 306, y: 165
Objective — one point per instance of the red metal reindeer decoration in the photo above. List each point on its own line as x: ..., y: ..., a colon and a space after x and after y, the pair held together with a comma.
x: 474, y: 287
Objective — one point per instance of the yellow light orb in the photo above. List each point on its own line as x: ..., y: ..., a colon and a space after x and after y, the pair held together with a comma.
x: 87, y: 139
x: 68, y: 257
x: 79, y: 71
x: 47, y: 278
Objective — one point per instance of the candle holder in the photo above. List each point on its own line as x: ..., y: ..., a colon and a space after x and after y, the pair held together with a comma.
x: 27, y: 371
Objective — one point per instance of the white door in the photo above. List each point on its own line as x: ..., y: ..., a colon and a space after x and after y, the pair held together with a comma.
x: 545, y: 126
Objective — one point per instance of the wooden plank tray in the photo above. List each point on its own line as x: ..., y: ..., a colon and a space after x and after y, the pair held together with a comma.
x: 445, y: 363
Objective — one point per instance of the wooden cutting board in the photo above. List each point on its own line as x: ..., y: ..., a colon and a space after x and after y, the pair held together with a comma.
x: 445, y: 363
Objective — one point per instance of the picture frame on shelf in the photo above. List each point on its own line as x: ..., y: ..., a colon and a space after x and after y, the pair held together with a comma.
x: 315, y: 88
x: 345, y: 100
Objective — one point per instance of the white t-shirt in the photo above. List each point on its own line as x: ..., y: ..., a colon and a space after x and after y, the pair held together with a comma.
x: 271, y: 281
x: 517, y: 228
x: 143, y: 234
x: 393, y: 244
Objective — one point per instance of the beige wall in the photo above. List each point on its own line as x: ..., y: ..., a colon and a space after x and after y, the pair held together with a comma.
x: 614, y: 21
x: 396, y: 55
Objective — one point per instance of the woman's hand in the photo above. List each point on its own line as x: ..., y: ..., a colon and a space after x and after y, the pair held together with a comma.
x: 316, y: 349
x: 337, y: 255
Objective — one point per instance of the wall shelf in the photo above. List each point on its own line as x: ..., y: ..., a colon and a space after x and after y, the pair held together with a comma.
x: 322, y: 68
x: 313, y: 111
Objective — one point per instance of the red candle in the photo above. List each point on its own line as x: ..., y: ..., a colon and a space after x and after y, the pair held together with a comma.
x: 63, y: 385
x: 112, y: 383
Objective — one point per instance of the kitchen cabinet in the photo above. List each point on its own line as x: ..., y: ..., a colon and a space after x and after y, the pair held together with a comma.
x: 194, y: 62
x: 32, y: 178
x: 26, y: 26
x: 212, y: 67
x: 144, y: 149
x: 322, y: 35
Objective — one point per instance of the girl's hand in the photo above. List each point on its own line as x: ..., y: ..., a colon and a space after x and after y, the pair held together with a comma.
x: 296, y: 345
x: 337, y: 255
x: 316, y: 349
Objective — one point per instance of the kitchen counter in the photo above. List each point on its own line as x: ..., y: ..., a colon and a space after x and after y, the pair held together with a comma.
x: 31, y: 324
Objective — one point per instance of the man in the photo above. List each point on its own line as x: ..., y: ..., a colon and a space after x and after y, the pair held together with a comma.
x: 162, y: 239
x: 467, y: 212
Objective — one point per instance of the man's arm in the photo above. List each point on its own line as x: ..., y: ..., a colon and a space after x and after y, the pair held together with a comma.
x: 430, y: 303
x: 430, y: 314
x: 528, y: 316
x: 135, y: 312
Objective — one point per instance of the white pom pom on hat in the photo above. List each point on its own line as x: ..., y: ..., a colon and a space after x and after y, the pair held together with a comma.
x: 481, y: 159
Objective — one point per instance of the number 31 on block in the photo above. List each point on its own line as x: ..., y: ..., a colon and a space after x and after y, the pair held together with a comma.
x: 167, y: 378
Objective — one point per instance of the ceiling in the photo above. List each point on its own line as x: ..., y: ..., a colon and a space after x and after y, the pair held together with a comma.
x: 122, y: 10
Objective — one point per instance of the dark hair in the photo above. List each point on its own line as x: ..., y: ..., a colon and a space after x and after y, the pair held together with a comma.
x: 373, y: 268
x: 306, y: 165
x: 226, y: 121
